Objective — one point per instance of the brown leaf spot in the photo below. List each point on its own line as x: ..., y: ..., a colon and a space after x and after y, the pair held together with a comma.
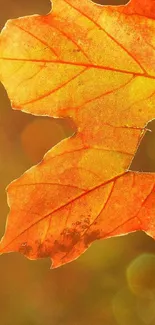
x: 25, y: 249
x: 89, y: 238
x: 43, y: 250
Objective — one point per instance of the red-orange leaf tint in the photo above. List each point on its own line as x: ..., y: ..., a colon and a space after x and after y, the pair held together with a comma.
x: 97, y: 65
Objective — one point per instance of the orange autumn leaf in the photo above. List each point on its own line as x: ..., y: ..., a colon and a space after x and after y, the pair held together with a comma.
x: 97, y: 65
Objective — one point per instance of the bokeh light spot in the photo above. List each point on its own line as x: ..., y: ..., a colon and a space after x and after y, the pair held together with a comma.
x: 146, y: 310
x: 124, y: 308
x: 141, y: 276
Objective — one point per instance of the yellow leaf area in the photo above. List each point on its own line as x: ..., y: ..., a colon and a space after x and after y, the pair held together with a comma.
x: 97, y: 65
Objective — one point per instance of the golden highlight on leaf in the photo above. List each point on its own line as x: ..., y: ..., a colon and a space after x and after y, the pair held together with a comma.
x: 97, y: 65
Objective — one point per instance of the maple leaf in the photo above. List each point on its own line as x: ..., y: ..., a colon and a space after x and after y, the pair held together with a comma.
x: 97, y: 65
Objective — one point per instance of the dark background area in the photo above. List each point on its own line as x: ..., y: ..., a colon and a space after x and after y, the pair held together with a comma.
x: 111, y: 2
x: 114, y: 281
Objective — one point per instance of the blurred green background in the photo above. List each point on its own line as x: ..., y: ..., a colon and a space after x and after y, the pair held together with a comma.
x: 114, y: 281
